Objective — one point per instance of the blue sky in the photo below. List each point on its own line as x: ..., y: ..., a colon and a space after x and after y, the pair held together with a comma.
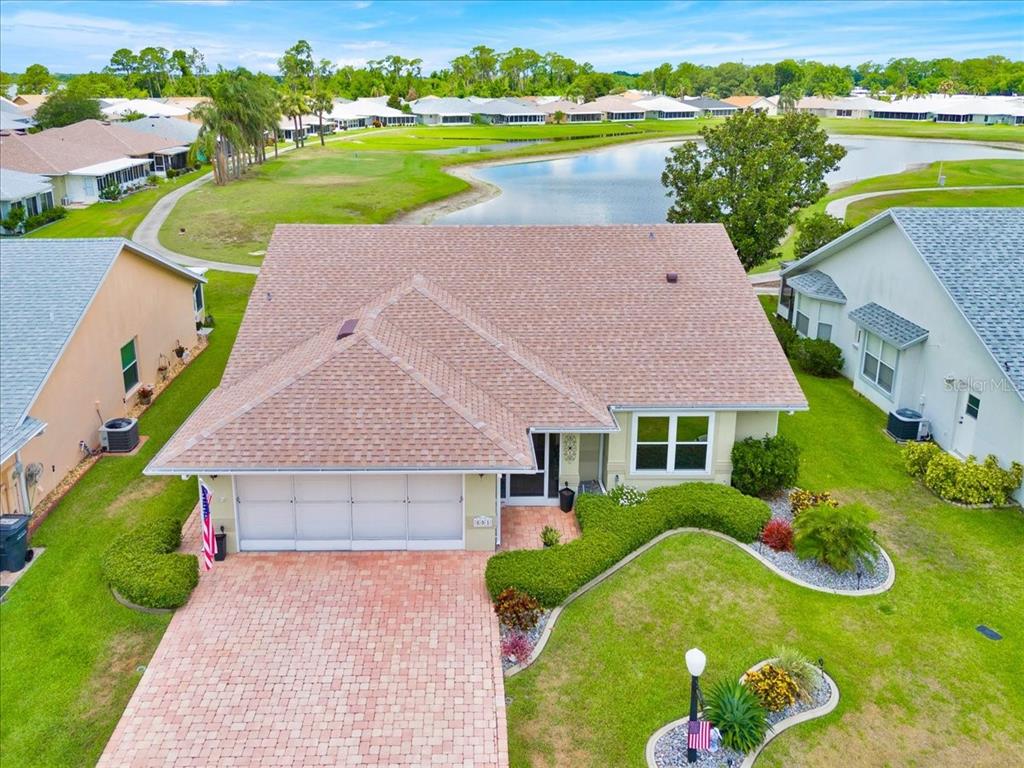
x: 633, y: 36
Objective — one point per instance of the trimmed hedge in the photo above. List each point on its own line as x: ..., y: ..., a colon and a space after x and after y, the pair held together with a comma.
x: 818, y: 357
x: 964, y: 482
x: 144, y: 568
x: 762, y: 466
x: 610, y: 532
x: 784, y: 332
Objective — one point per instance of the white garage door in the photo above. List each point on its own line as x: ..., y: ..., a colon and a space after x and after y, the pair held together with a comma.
x: 323, y: 512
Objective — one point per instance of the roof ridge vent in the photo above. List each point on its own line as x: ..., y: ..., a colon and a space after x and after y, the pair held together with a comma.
x: 347, y: 328
x: 672, y: 277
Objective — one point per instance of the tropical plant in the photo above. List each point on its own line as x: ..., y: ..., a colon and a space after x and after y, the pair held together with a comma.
x: 550, y: 537
x: 517, y: 610
x: 778, y: 535
x: 799, y: 500
x: 15, y: 219
x: 516, y: 646
x: 764, y: 466
x: 627, y: 495
x: 800, y: 668
x: 968, y: 482
x: 111, y: 192
x: 838, y: 537
x: 917, y: 456
x: 738, y: 715
x: 773, y: 686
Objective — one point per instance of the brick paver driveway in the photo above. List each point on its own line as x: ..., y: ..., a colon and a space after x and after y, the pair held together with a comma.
x: 382, y: 659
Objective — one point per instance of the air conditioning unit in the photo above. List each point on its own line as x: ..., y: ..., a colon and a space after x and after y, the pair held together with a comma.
x: 904, y: 424
x: 119, y: 435
x: 65, y: 201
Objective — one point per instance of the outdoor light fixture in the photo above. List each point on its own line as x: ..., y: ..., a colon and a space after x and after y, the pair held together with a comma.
x: 695, y: 663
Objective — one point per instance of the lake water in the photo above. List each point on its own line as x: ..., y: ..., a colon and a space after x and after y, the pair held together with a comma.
x: 472, y: 149
x: 623, y: 184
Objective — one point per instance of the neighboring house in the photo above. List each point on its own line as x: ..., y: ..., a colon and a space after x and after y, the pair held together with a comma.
x: 711, y: 107
x: 288, y: 128
x: 85, y: 158
x: 985, y: 110
x: 145, y: 107
x: 368, y: 111
x: 392, y: 387
x: 511, y: 112
x: 182, y: 131
x: 584, y: 113
x: 927, y: 306
x: 83, y: 322
x: 754, y: 104
x: 665, y: 108
x: 434, y: 110
x: 568, y: 110
x: 843, y: 106
x: 617, y: 109
x: 30, y: 191
x: 30, y: 102
x: 13, y: 119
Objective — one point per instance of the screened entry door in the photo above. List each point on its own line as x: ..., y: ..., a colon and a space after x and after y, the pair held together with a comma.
x: 538, y: 487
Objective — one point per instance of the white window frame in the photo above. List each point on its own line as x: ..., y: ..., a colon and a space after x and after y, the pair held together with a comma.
x: 134, y: 363
x: 198, y: 293
x: 868, y: 336
x: 672, y: 417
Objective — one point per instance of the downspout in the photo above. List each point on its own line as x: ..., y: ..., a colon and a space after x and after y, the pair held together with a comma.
x: 22, y: 485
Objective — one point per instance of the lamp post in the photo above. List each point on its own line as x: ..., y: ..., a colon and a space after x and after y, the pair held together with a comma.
x: 695, y: 661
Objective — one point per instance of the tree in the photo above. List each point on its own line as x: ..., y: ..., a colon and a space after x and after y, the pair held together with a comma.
x: 790, y: 94
x: 297, y: 72
x: 817, y: 230
x: 752, y: 175
x: 36, y: 79
x: 65, y: 107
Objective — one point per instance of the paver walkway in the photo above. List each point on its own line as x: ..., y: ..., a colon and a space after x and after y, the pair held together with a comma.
x: 521, y: 526
x: 308, y: 659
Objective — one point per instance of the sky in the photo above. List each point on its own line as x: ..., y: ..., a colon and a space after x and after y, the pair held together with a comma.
x: 633, y: 36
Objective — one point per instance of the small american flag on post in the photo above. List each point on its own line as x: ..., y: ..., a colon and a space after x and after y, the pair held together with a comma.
x: 698, y: 735
x: 209, y: 542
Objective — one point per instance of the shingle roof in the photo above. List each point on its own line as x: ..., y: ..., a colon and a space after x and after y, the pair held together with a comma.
x: 181, y: 131
x: 885, y: 323
x: 702, y: 102
x: 45, y: 287
x: 59, y: 150
x: 489, y: 331
x: 817, y: 285
x: 978, y: 256
x: 15, y: 185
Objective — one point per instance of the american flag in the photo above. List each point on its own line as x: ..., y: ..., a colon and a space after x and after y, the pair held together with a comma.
x: 698, y: 735
x: 209, y: 542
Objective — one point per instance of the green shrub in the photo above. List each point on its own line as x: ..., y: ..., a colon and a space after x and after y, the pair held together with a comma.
x: 916, y: 457
x: 15, y: 220
x: 784, y: 332
x: 798, y: 667
x: 549, y: 537
x: 764, y: 466
x: 610, y: 532
x: 172, y: 172
x: 835, y: 536
x: 45, y: 217
x: 738, y: 714
x: 818, y: 357
x: 968, y: 482
x: 517, y: 610
x: 143, y: 567
x: 627, y: 495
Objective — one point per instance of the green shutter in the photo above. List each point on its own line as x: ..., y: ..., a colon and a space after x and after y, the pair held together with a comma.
x: 128, y: 354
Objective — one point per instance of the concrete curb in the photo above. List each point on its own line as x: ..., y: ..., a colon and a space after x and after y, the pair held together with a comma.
x: 549, y: 626
x: 782, y: 725
x: 135, y: 607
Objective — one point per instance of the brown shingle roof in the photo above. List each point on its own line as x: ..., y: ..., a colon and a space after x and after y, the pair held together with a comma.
x: 59, y: 150
x: 468, y: 336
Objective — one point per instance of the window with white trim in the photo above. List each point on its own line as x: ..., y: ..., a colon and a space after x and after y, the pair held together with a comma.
x: 675, y: 443
x: 198, y: 300
x: 129, y: 366
x: 879, y: 363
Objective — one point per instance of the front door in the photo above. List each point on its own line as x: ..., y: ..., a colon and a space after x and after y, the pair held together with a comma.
x: 539, y: 487
x: 968, y: 408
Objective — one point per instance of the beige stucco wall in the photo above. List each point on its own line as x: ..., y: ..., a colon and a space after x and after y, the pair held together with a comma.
x: 9, y: 501
x: 139, y: 299
x: 729, y: 426
x: 480, y: 499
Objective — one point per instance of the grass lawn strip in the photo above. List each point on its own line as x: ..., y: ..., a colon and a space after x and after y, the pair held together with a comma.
x: 907, y: 661
x: 70, y: 655
x: 860, y: 211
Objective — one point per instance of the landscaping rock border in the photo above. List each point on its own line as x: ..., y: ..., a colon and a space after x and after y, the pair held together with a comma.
x: 557, y: 611
x: 786, y: 723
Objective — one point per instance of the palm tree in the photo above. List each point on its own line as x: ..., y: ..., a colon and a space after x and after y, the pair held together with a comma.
x: 321, y: 102
x: 293, y: 105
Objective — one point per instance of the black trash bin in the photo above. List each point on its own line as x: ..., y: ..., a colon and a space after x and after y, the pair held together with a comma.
x: 13, y: 541
x: 566, y: 497
x: 222, y: 545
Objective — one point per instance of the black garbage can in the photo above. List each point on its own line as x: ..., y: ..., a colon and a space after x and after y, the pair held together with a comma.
x: 13, y: 541
x: 566, y: 497
x: 222, y: 545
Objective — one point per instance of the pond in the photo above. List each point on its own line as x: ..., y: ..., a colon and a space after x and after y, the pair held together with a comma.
x: 472, y: 149
x: 623, y: 184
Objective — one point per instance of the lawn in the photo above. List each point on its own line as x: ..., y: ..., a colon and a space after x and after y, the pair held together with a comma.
x: 862, y: 210
x: 958, y: 173
x: 114, y: 219
x: 918, y: 683
x: 70, y: 656
x: 922, y: 129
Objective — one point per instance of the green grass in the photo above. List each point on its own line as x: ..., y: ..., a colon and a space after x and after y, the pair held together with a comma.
x: 114, y: 219
x: 915, y: 677
x: 862, y: 210
x: 69, y: 654
x: 958, y: 173
x: 915, y: 129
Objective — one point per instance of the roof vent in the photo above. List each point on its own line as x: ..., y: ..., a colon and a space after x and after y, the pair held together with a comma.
x: 650, y: 235
x: 347, y: 328
x: 672, y: 277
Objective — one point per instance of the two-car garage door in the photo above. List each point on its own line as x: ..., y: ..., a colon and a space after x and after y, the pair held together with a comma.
x: 320, y: 512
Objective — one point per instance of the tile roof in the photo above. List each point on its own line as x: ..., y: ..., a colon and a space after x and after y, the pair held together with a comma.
x: 885, y: 323
x: 468, y: 336
x: 978, y: 256
x: 817, y: 285
x: 89, y: 142
x: 38, y: 314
